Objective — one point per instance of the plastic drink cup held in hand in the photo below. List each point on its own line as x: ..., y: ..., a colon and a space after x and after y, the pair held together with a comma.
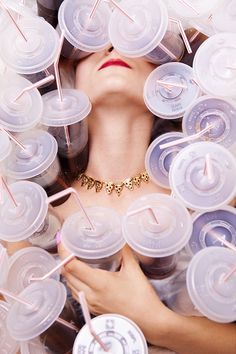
x: 35, y: 346
x: 169, y: 90
x: 84, y: 34
x: 213, y: 296
x: 120, y: 334
x: 157, y: 227
x: 158, y: 161
x: 193, y: 8
x: 214, y: 65
x: 144, y: 32
x: 208, y: 110
x: 197, y: 189
x: 27, y: 322
x: 34, y: 56
x: 8, y: 345
x: 48, y: 9
x: 101, y: 247
x: 28, y: 263
x: 209, y: 227
x: 4, y: 265
x: 24, y: 113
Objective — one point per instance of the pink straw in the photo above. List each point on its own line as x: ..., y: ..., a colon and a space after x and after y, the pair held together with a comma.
x: 123, y: 11
x: 92, y: 13
x: 67, y: 324
x: 189, y: 5
x: 75, y: 194
x: 9, y: 192
x: 208, y: 168
x: 194, y: 36
x: 36, y: 85
x: 17, y: 142
x: 167, y: 51
x: 56, y: 68
x: 183, y: 34
x: 227, y: 276
x: 170, y: 84
x: 13, y: 20
x: 67, y: 135
x: 87, y: 318
x: 140, y: 210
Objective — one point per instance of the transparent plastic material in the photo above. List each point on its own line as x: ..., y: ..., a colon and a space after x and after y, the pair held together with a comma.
x: 213, y: 296
x: 212, y: 110
x: 35, y: 346
x: 5, y: 147
x: 158, y: 161
x: 120, y: 334
x: 4, y: 21
x: 47, y: 300
x: 99, y: 248
x: 193, y: 8
x: 4, y: 265
x: 191, y: 184
x: 223, y: 20
x: 83, y: 35
x: 170, y: 102
x: 8, y: 345
x: 157, y: 227
x: 23, y: 114
x: 48, y: 9
x: 208, y: 226
x: 214, y: 65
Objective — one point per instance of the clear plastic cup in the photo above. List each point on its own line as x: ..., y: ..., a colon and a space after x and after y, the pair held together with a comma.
x: 4, y: 21
x: 170, y: 102
x: 48, y: 300
x: 191, y: 184
x: 5, y: 148
x: 214, y: 65
x: 147, y: 34
x: 8, y: 345
x: 223, y: 20
x: 157, y: 227
x: 32, y: 58
x: 208, y: 110
x: 213, y: 296
x: 23, y: 114
x: 48, y: 9
x: 83, y: 35
x: 4, y: 266
x: 26, y: 264
x: 120, y: 334
x: 206, y: 225
x: 35, y: 346
x: 158, y: 161
x: 100, y: 248
x: 193, y: 8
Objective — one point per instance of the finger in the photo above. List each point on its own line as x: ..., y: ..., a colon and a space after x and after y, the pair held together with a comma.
x: 73, y: 282
x: 128, y: 257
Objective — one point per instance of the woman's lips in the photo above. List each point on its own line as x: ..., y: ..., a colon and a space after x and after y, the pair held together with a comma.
x: 115, y: 62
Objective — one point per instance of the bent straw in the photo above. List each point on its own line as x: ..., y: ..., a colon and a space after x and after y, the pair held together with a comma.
x: 94, y: 8
x: 13, y: 20
x: 189, y: 5
x: 17, y: 142
x: 36, y: 85
x: 208, y: 168
x: 3, y: 182
x: 140, y: 210
x: 170, y: 84
x: 183, y: 34
x: 87, y: 318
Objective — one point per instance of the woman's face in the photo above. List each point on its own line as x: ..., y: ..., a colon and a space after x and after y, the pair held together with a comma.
x: 106, y: 74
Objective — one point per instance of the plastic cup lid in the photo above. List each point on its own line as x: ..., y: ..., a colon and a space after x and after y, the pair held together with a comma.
x: 20, y: 8
x: 170, y: 102
x: 48, y: 299
x: 89, y: 35
x: 158, y: 161
x: 221, y: 222
x: 74, y: 107
x: 193, y: 187
x: 223, y: 20
x: 34, y: 55
x: 4, y: 265
x: 41, y: 152
x: 8, y: 345
x: 4, y: 20
x: 23, y: 114
x: 104, y: 241
x: 214, y: 65
x: 210, y: 294
x: 120, y: 334
x: 18, y: 223
x: 27, y: 263
x: 193, y: 8
x: 35, y: 346
x: 152, y: 239
x: 5, y: 146
x: 211, y: 110
x: 139, y: 37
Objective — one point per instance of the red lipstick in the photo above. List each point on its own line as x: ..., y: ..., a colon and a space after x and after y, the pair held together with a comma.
x: 115, y: 62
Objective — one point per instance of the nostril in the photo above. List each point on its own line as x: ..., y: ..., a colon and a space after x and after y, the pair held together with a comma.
x: 110, y: 49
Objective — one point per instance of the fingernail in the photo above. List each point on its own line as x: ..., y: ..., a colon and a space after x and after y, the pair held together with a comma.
x: 58, y: 237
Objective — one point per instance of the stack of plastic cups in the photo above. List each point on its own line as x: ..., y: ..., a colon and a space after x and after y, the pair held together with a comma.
x: 48, y: 9
x: 158, y: 161
x: 145, y: 33
x: 170, y: 89
x: 120, y: 334
x: 157, y: 227
x: 101, y: 247
x: 30, y: 218
x: 8, y: 345
x: 194, y: 186
x: 4, y: 265
x: 84, y: 33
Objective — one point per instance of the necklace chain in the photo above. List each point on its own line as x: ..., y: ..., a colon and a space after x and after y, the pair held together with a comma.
x: 110, y: 186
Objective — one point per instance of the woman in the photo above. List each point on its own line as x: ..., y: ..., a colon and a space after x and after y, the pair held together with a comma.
x: 120, y: 130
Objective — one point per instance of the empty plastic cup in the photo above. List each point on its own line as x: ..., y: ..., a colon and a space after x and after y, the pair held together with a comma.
x: 23, y: 114
x: 214, y: 65
x: 208, y: 226
x: 157, y: 227
x: 8, y: 345
x: 158, y: 161
x: 100, y: 248
x: 208, y: 110
x: 83, y: 35
x: 120, y: 335
x: 194, y: 186
x: 4, y: 265
x: 166, y: 100
x: 210, y: 293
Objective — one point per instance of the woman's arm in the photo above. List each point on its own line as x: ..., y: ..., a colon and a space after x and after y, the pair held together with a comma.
x: 129, y: 293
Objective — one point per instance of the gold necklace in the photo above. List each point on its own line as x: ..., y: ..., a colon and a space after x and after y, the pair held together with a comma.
x: 110, y: 186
